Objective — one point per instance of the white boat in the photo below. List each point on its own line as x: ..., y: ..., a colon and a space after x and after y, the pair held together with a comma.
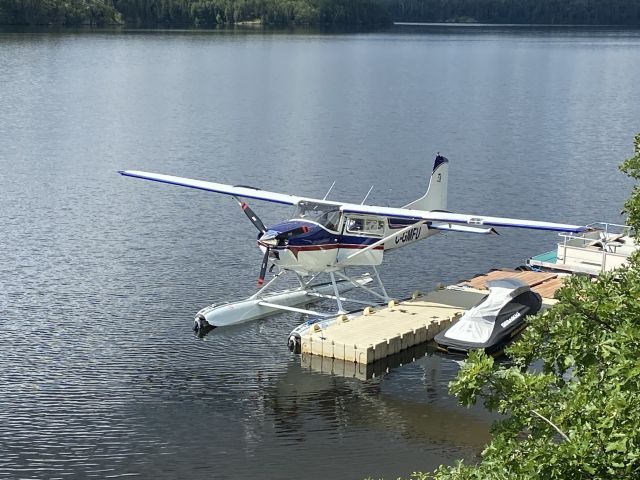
x: 605, y: 247
x: 267, y: 304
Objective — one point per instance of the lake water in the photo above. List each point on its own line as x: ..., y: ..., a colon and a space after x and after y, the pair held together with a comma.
x: 100, y: 275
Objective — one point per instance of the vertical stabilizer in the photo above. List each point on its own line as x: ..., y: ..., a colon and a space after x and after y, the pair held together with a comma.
x: 436, y: 196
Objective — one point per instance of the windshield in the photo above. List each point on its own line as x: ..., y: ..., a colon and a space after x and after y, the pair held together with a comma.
x: 326, y: 215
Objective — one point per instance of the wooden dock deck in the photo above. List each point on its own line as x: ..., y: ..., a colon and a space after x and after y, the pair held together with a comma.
x: 377, y: 333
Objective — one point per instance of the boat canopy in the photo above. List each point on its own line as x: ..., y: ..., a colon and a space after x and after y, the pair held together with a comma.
x: 477, y: 324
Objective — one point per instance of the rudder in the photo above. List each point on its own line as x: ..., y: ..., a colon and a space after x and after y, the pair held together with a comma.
x: 436, y: 196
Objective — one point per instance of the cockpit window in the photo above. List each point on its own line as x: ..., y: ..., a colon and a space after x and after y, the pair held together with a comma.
x: 326, y: 215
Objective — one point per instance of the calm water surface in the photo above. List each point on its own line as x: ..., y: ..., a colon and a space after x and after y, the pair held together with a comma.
x: 100, y: 276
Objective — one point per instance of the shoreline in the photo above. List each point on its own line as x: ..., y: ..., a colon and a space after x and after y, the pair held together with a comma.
x: 259, y: 24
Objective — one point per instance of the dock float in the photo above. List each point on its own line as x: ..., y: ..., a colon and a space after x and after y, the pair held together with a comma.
x: 364, y: 371
x: 379, y: 332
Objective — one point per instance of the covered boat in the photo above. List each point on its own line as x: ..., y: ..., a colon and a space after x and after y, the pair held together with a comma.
x: 494, y: 321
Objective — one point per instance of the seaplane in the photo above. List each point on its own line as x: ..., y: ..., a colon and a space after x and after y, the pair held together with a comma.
x: 327, y: 237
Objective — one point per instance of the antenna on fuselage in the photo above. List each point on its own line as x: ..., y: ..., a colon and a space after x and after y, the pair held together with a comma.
x: 329, y: 191
x: 366, y: 196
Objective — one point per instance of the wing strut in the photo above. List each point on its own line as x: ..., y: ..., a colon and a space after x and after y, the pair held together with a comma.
x: 381, y: 241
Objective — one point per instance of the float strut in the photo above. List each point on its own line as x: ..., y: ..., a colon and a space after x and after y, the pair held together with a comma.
x: 335, y: 289
x: 257, y: 294
x: 380, y: 284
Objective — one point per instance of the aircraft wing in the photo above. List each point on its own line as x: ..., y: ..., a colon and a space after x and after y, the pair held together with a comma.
x: 461, y: 219
x: 477, y: 221
x: 239, y: 191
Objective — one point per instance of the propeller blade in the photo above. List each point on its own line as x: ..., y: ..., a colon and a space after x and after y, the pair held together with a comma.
x: 252, y: 216
x: 263, y: 267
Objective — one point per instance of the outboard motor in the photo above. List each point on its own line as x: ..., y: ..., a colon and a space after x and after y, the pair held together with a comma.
x: 294, y: 343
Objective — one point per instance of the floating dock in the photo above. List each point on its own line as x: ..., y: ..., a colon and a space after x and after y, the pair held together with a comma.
x: 364, y: 371
x: 377, y: 333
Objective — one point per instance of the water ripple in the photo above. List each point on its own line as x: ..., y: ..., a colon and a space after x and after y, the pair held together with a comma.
x: 100, y: 276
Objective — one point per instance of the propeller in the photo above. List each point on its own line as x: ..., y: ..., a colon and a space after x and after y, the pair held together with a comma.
x: 251, y: 216
x: 267, y: 240
x: 262, y: 229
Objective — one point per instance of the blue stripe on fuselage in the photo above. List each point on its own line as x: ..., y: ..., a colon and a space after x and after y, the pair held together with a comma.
x: 315, y: 236
x: 318, y: 235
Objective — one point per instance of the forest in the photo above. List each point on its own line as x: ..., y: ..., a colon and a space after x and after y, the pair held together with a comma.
x: 210, y: 13
x: 551, y: 12
x: 194, y: 13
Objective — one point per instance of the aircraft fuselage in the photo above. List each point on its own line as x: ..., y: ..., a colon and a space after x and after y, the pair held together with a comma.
x: 322, y: 249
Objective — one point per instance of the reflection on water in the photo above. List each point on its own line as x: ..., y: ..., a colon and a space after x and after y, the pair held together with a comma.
x: 100, y: 276
x: 413, y: 405
x: 362, y: 371
x: 425, y: 414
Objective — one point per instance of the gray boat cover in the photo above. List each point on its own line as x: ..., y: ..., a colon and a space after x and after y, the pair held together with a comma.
x: 477, y: 324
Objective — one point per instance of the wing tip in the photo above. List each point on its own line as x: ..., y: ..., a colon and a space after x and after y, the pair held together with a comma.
x: 578, y: 229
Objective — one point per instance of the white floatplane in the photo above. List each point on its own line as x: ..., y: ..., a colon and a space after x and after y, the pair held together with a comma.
x: 325, y: 236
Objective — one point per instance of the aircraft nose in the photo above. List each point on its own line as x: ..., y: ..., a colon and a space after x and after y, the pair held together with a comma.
x: 270, y: 238
x: 273, y: 235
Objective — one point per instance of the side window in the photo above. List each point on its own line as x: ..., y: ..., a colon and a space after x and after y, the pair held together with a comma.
x: 368, y: 226
x: 355, y: 225
x: 374, y: 226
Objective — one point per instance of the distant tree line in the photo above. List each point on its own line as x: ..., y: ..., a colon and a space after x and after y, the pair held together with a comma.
x: 58, y: 12
x: 272, y: 12
x: 555, y: 12
x: 198, y: 13
x: 209, y: 13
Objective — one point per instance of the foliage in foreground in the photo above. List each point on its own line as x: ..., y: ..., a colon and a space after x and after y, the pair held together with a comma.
x: 571, y: 398
x: 631, y: 167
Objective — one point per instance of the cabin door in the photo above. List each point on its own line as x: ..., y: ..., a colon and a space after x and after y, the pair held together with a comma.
x: 358, y: 232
